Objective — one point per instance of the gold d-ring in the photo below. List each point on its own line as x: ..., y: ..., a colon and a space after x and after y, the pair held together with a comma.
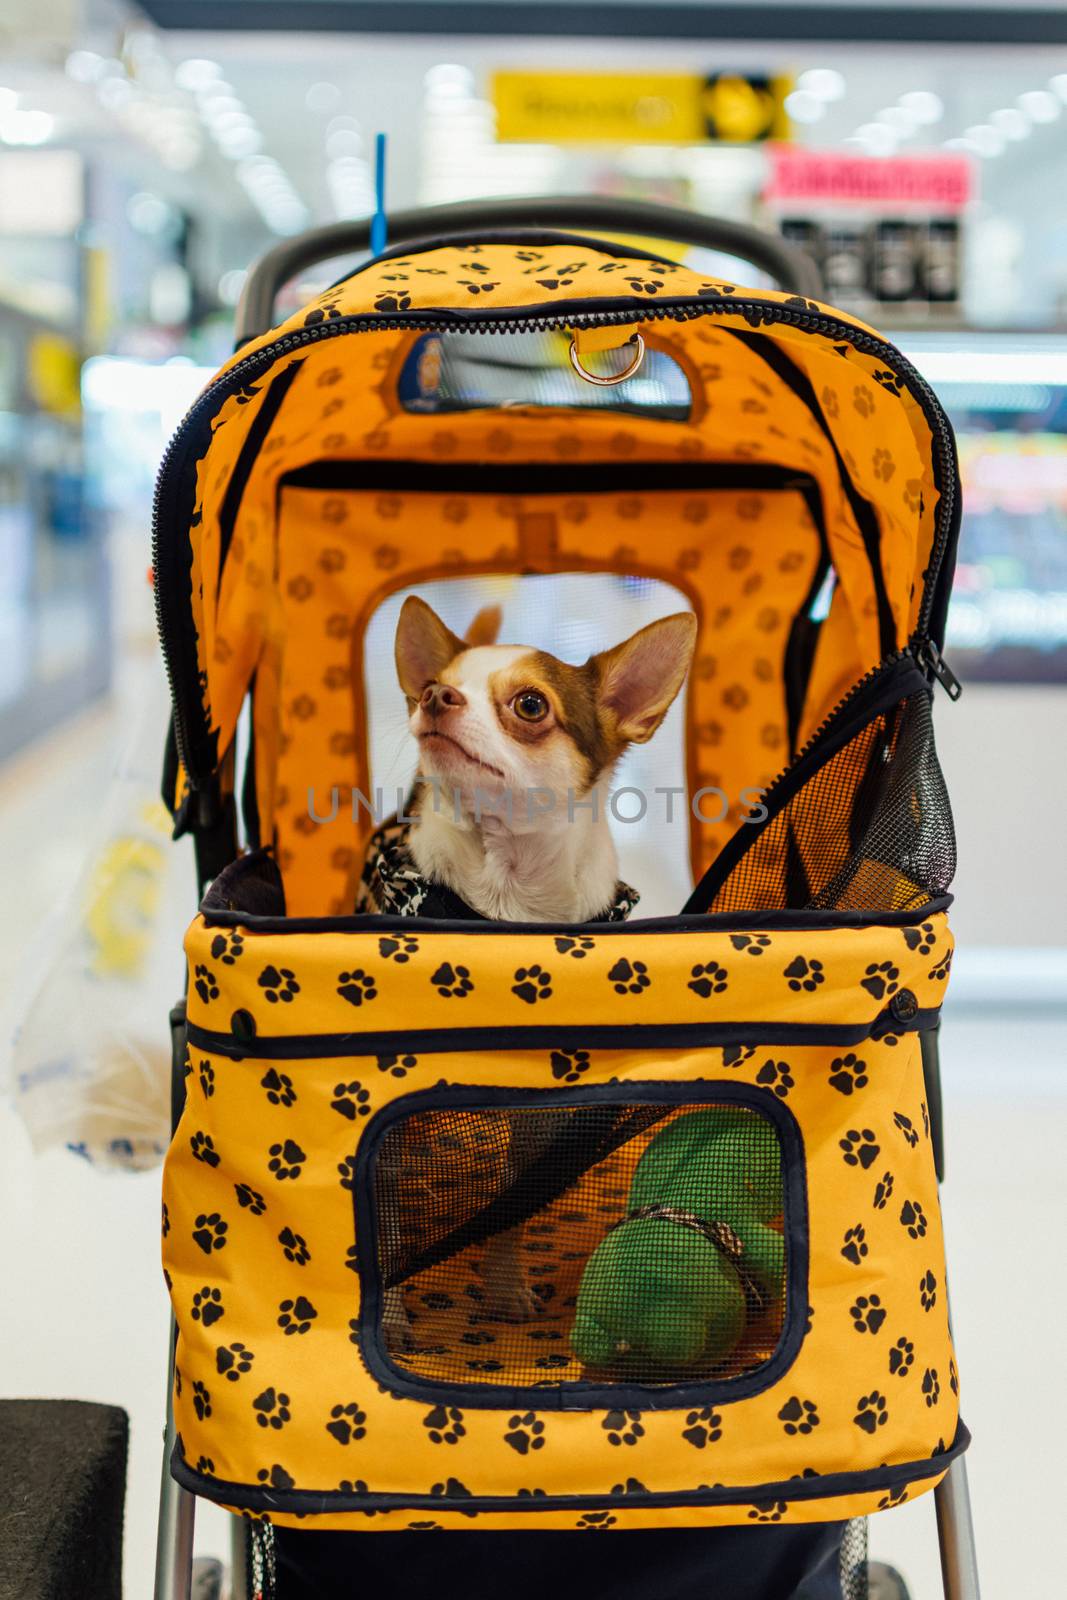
x: 618, y: 377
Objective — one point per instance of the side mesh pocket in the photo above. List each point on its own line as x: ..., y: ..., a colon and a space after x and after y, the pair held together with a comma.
x: 862, y: 824
x: 606, y: 1244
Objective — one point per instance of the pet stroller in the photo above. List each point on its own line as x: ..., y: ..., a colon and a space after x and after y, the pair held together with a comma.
x: 347, y: 1088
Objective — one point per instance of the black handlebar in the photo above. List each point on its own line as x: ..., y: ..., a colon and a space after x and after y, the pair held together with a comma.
x: 791, y: 268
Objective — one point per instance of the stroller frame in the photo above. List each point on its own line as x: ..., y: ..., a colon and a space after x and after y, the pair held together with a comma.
x: 215, y: 829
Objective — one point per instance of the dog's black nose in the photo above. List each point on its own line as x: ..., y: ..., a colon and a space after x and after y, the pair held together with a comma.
x: 438, y: 698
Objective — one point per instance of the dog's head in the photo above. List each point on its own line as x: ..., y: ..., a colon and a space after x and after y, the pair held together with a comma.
x: 509, y: 719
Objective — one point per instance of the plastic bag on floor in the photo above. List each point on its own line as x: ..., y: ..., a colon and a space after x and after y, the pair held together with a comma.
x: 91, y: 1053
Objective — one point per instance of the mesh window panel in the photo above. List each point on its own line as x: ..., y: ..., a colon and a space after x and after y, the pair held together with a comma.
x: 628, y: 1243
x: 262, y: 1575
x: 871, y: 830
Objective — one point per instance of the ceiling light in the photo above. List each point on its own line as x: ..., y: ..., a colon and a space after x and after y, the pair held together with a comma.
x: 1012, y: 124
x: 449, y: 76
x: 1058, y: 85
x: 923, y: 106
x: 1039, y: 105
x: 25, y: 127
x: 8, y: 100
x: 985, y: 139
x: 878, y: 139
x: 218, y: 105
x: 240, y: 142
x: 345, y: 142
x: 197, y: 74
x: 899, y: 119
x: 84, y: 66
x: 323, y: 98
x: 824, y: 83
x: 804, y: 107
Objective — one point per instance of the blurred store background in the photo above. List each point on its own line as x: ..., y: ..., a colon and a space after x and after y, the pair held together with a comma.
x: 149, y: 152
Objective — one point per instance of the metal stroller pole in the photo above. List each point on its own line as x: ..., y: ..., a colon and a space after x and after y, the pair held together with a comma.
x: 955, y: 1534
x: 177, y: 1514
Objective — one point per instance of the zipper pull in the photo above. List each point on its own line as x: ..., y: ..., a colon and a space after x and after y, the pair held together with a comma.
x: 938, y: 667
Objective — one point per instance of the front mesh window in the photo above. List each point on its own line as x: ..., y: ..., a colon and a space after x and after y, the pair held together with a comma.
x: 597, y: 1243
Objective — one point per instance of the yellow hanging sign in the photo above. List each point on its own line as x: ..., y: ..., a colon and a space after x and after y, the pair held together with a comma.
x: 639, y: 108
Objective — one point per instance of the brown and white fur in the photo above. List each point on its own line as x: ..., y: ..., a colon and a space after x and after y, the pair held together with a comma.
x: 509, y: 824
x: 517, y: 744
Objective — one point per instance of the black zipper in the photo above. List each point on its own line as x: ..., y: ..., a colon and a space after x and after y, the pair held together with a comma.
x: 888, y: 682
x: 178, y: 639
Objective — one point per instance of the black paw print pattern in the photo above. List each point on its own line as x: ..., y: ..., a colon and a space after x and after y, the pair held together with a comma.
x: 913, y: 1219
x: 872, y: 1412
x: 708, y: 978
x: 444, y: 1424
x: 250, y: 1199
x: 294, y: 1247
x: 577, y: 947
x: 452, y: 983
x: 629, y: 977
x: 398, y: 948
x: 350, y: 1100
x: 229, y: 947
x: 775, y: 1076
x: 207, y: 1306
x: 928, y: 1290
x: 848, y: 1073
x: 276, y: 1476
x: 209, y: 1232
x: 397, y: 1066
x: 753, y: 944
x: 804, y: 974
x: 279, y: 1087
x: 203, y: 1148
x: 286, y: 1160
x: 798, y: 1416
x: 357, y: 987
x: 931, y: 1386
x: 278, y: 984
x: 882, y: 1191
x: 735, y: 1055
x: 165, y: 1220
x: 921, y: 939
x: 201, y: 1401
x: 596, y: 1521
x: 207, y: 1079
x: 901, y: 1358
x: 623, y: 1427
x: 296, y: 1316
x: 907, y: 1128
x: 867, y: 1313
x: 272, y: 1409
x: 860, y: 1148
x: 941, y: 970
x: 854, y: 1245
x: 568, y: 1065
x: 702, y: 1427
x: 881, y: 979
x: 205, y: 983
x: 232, y: 1361
x: 532, y: 984
x: 347, y: 1423
x: 525, y: 1432
x: 768, y: 1510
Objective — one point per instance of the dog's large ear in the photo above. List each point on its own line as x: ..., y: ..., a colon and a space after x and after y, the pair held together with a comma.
x: 640, y: 677
x: 484, y: 627
x: 424, y: 646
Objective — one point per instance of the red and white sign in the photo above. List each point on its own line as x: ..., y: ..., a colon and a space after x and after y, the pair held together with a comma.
x: 942, y: 182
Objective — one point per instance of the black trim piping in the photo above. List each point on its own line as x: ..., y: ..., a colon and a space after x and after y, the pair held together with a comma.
x: 321, y: 1502
x: 246, y: 459
x: 580, y: 1395
x: 594, y: 477
x: 591, y: 1036
x: 173, y: 504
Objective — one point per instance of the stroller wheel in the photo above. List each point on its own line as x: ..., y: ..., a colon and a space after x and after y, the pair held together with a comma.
x: 885, y: 1583
x: 207, y: 1579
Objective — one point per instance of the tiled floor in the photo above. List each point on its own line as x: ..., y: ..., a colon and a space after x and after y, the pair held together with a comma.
x: 85, y: 1312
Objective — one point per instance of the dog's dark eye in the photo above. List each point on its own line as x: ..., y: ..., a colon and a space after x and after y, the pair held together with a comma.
x: 530, y: 705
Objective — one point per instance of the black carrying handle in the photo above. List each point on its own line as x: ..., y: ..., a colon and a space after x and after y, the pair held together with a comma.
x: 789, y: 266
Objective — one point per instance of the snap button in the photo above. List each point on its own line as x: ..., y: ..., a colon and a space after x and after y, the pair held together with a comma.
x: 904, y: 1005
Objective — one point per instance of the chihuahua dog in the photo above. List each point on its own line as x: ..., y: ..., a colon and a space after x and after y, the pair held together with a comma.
x: 509, y: 819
